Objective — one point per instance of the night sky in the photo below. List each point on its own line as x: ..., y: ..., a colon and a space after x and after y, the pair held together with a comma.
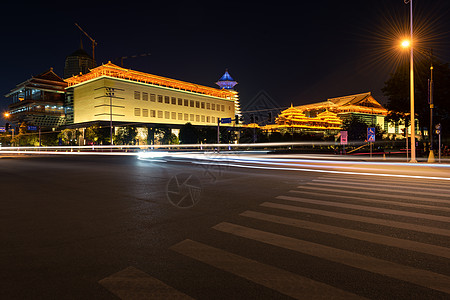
x: 297, y: 53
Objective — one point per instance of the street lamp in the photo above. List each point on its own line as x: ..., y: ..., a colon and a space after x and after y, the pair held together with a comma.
x: 410, y: 44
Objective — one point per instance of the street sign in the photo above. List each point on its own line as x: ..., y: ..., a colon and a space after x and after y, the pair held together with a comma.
x: 32, y: 128
x: 2, y: 129
x: 371, y: 134
x: 225, y: 120
x: 344, y: 136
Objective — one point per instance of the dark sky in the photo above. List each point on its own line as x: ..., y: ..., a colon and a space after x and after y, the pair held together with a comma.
x: 298, y: 52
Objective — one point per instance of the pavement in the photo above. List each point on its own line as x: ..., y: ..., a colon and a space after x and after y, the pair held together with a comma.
x: 121, y: 228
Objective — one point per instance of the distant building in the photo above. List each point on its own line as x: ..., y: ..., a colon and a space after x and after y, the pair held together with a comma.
x: 78, y: 63
x: 133, y: 97
x: 39, y: 101
x: 329, y: 115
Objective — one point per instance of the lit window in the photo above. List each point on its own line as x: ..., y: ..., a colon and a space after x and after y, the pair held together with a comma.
x: 137, y: 112
x: 167, y: 115
x: 192, y: 117
x: 207, y: 119
x: 203, y: 119
x: 145, y: 112
x: 180, y: 116
x: 153, y: 113
x: 186, y: 117
x: 145, y: 96
x: 137, y: 95
x: 160, y: 114
x: 174, y: 115
x: 152, y: 97
x: 197, y: 118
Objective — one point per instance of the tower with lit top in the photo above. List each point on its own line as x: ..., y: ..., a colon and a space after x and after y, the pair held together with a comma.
x: 228, y: 83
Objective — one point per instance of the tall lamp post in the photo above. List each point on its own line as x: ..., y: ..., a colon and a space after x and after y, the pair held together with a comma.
x: 430, y: 101
x: 411, y: 45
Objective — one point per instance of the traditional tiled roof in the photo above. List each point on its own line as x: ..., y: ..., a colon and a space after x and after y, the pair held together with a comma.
x: 364, y: 103
x: 112, y: 70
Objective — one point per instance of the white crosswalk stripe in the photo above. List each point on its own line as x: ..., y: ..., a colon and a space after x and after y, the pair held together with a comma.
x: 133, y: 284
x: 287, y: 283
x: 302, y: 221
x: 420, y: 277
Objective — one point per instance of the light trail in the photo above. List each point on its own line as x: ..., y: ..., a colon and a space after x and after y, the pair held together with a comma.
x: 256, y: 159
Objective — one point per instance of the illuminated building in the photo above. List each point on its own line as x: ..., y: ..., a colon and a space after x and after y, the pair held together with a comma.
x: 39, y: 101
x: 228, y: 83
x: 329, y: 115
x: 133, y: 97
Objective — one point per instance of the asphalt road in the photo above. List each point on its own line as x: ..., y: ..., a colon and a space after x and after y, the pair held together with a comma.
x: 117, y: 227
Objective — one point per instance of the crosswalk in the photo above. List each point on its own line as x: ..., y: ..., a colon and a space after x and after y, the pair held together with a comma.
x: 350, y: 227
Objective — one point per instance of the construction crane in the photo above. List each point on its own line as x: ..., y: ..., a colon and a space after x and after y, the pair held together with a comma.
x: 94, y: 43
x: 131, y: 56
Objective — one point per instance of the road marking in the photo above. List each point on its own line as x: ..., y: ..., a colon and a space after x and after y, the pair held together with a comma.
x: 387, y: 184
x: 132, y: 283
x: 409, y: 182
x: 285, y: 282
x: 389, y: 202
x: 367, y: 208
x: 349, y: 217
x: 407, y: 193
x: 378, y: 194
x: 420, y: 277
x: 354, y: 234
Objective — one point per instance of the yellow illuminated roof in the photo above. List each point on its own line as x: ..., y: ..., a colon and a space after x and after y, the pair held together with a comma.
x: 115, y: 71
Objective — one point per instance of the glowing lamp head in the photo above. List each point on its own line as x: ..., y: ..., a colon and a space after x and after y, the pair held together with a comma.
x: 406, y: 44
x: 6, y: 115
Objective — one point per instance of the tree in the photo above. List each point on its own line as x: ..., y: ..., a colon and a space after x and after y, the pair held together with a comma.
x: 69, y: 136
x: 98, y: 135
x: 188, y: 134
x: 125, y: 135
x: 356, y: 128
x: 397, y: 90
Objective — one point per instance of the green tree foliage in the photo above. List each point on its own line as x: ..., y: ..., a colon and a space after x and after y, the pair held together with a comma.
x: 98, y: 135
x: 189, y: 134
x: 125, y: 135
x: 69, y: 136
x: 397, y: 90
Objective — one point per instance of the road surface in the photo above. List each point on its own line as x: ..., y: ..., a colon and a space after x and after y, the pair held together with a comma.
x: 117, y: 227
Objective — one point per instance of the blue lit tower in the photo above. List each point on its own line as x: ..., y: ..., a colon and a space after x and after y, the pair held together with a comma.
x: 228, y: 83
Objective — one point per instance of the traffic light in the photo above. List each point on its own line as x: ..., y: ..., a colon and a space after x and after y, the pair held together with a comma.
x: 7, y: 126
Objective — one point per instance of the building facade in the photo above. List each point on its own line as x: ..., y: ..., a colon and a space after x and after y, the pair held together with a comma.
x: 329, y: 115
x: 110, y: 92
x: 79, y: 62
x: 39, y: 101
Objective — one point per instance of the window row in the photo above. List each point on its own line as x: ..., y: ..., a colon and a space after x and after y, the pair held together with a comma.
x: 173, y: 115
x: 179, y: 101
